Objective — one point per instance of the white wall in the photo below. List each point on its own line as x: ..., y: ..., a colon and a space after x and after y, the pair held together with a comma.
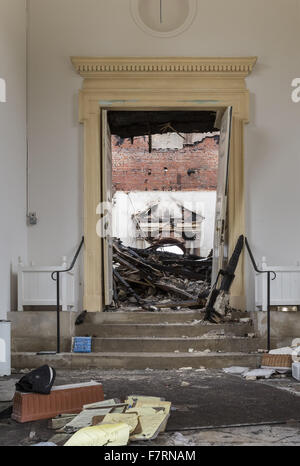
x: 13, y: 242
x: 266, y: 28
x: 201, y: 202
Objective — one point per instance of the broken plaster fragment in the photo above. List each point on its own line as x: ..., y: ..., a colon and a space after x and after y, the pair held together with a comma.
x: 32, y: 435
x: 184, y: 384
x: 259, y: 373
x: 236, y: 370
x: 285, y: 350
x: 191, y: 350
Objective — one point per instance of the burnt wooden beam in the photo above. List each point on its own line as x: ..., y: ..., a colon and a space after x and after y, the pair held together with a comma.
x: 140, y: 123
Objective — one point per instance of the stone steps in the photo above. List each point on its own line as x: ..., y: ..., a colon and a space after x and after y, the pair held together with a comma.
x: 140, y: 340
x: 165, y: 330
x: 138, y: 360
x: 149, y: 317
x: 161, y: 345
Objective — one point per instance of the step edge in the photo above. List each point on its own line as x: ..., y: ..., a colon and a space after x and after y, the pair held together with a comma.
x: 133, y: 324
x: 174, y: 339
x: 145, y: 355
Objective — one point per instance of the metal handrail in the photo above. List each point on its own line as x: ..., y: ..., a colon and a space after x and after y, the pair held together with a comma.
x: 268, y: 272
x: 56, y: 278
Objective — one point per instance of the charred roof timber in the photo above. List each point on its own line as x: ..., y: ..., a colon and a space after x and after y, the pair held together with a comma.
x: 139, y: 123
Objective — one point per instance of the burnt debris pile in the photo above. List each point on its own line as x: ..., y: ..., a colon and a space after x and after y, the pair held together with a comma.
x: 154, y: 279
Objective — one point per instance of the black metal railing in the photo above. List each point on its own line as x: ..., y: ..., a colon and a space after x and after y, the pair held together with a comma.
x: 268, y: 272
x: 56, y: 277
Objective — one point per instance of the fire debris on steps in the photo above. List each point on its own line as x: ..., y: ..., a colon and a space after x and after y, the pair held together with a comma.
x: 155, y: 279
x: 218, y: 301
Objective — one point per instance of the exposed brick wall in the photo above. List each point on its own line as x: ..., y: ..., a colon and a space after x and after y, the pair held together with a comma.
x: 135, y: 169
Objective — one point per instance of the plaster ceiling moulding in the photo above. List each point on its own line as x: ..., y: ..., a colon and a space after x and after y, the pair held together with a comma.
x: 163, y: 18
x: 90, y: 67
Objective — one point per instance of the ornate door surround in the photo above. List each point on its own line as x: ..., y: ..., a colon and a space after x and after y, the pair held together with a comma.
x: 159, y: 84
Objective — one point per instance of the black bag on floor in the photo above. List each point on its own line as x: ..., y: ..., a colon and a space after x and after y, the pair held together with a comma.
x: 38, y: 381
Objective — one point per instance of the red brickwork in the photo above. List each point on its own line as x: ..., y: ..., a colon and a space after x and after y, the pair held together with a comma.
x: 193, y: 168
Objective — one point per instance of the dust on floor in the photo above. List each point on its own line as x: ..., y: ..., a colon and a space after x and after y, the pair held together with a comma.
x: 207, y: 407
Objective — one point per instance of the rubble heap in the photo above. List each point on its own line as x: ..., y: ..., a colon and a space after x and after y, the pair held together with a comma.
x: 155, y: 279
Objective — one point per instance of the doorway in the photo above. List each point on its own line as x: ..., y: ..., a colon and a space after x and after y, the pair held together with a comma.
x: 185, y: 83
x: 165, y: 174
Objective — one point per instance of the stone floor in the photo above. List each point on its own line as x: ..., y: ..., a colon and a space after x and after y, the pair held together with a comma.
x: 209, y: 407
x: 262, y: 435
